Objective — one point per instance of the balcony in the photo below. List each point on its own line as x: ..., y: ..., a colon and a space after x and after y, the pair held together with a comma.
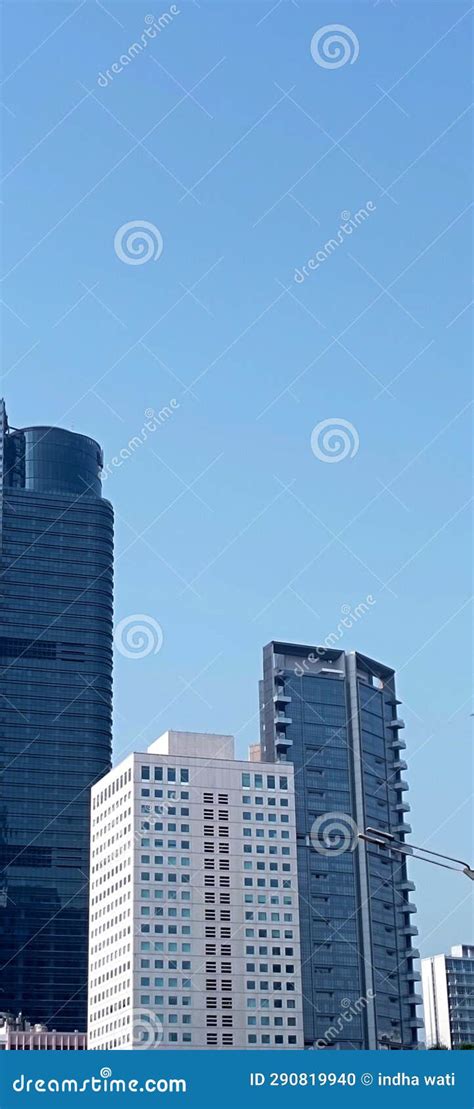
x: 402, y: 806
x: 282, y: 740
x: 415, y: 998
x: 409, y: 907
x: 280, y: 698
x: 400, y: 764
x: 280, y: 718
x: 398, y: 743
x: 413, y: 976
x: 402, y: 829
x: 397, y: 723
x: 412, y: 953
x: 410, y: 930
x: 401, y: 785
x: 416, y: 1022
x: 406, y: 885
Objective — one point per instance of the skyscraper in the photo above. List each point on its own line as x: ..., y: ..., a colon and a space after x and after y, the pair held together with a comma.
x: 56, y: 592
x: 448, y: 997
x: 334, y: 716
x: 194, y: 939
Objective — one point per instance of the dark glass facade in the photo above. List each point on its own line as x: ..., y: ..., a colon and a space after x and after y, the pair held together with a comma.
x: 334, y: 716
x: 56, y: 596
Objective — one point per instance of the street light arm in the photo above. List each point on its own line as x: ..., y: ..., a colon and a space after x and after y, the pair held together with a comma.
x: 406, y: 850
x: 385, y: 839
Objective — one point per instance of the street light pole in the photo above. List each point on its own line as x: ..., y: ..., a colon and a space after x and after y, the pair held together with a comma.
x: 389, y: 842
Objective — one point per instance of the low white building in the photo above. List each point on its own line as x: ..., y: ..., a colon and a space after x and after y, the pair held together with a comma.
x: 194, y: 930
x: 448, y: 997
x: 19, y: 1034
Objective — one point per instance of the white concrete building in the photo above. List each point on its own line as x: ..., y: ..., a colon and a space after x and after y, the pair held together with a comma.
x: 19, y: 1034
x: 448, y: 997
x: 194, y: 930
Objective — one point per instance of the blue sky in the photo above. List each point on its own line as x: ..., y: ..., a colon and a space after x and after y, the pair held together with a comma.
x: 244, y: 152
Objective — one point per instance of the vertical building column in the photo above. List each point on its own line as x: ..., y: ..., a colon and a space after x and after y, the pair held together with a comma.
x: 359, y: 812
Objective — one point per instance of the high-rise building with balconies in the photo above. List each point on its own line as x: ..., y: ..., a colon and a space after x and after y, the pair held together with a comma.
x: 56, y: 584
x: 334, y: 716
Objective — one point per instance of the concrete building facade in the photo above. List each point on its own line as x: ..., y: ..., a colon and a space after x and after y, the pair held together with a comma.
x: 448, y: 997
x: 18, y: 1034
x: 194, y: 929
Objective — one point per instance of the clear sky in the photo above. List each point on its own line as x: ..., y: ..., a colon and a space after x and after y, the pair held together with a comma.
x: 246, y: 154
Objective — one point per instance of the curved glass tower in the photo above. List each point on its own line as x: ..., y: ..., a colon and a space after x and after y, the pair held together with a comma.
x: 56, y: 596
